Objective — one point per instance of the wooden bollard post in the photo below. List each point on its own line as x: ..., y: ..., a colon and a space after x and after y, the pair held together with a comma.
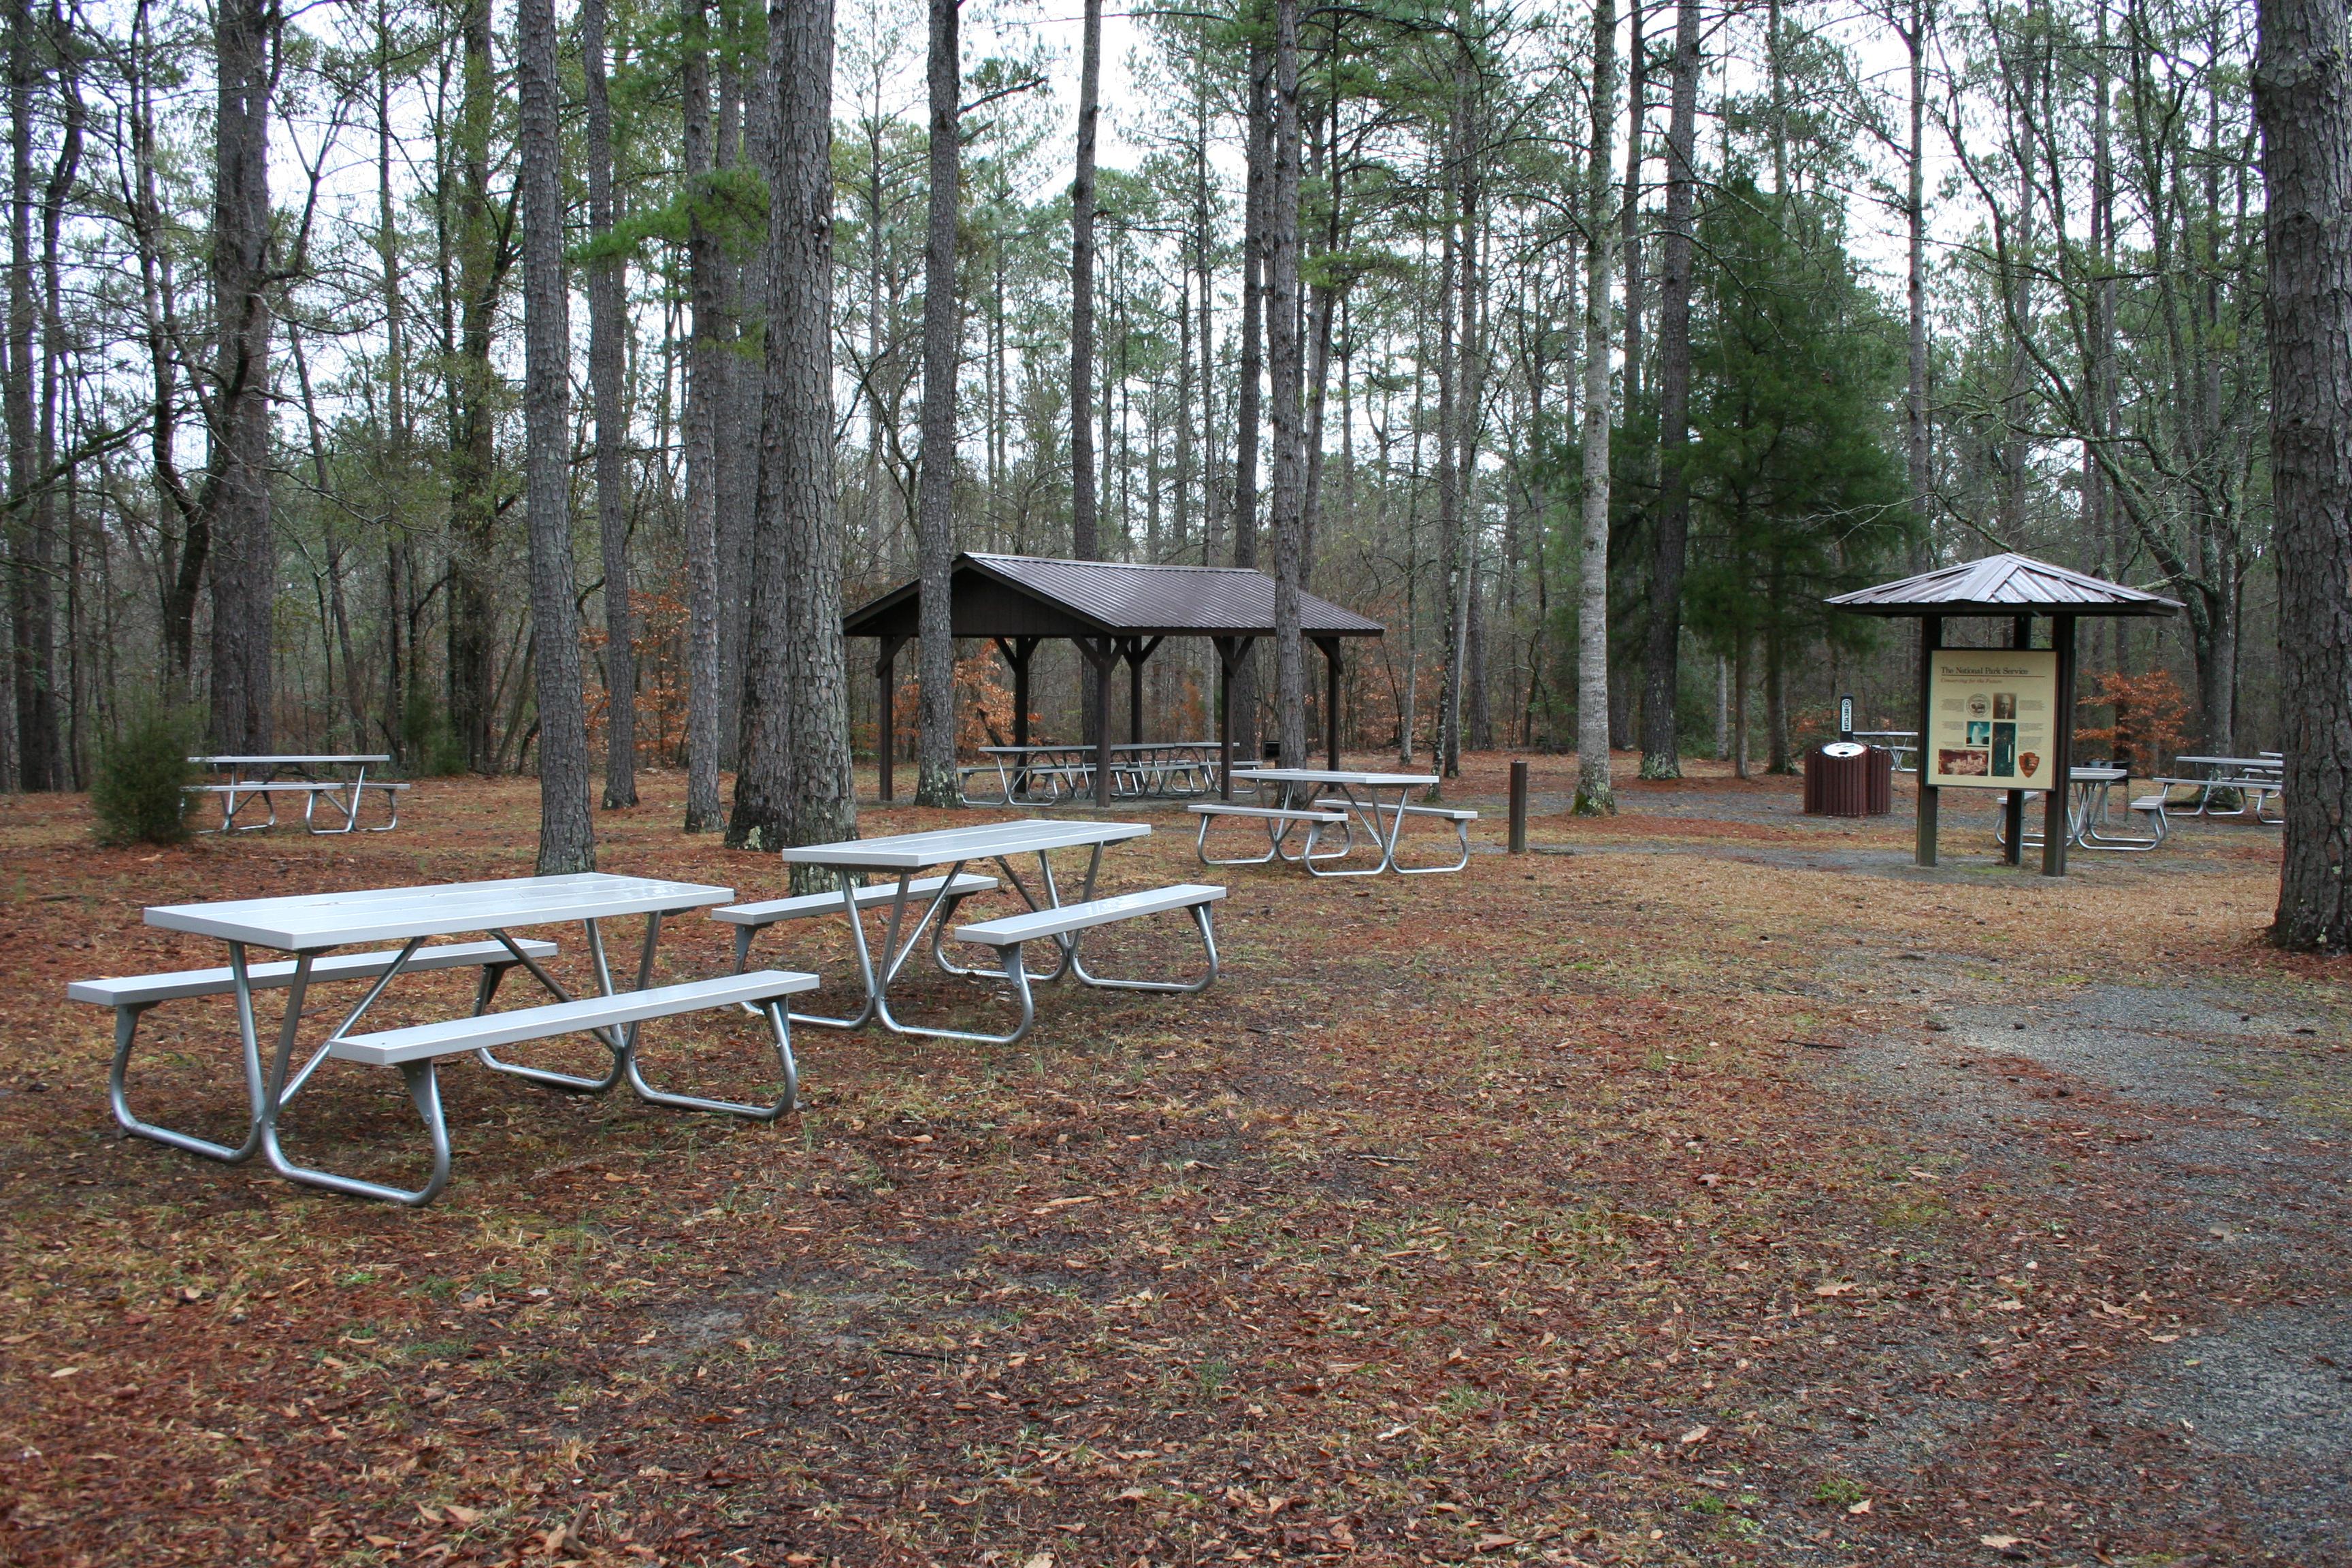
x: 1518, y: 805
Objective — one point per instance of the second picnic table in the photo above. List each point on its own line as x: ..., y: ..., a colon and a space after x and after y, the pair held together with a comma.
x: 900, y: 858
x: 264, y: 776
x: 1318, y: 798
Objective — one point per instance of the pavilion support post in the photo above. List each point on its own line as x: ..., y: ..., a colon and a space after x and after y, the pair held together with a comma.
x: 1931, y: 637
x: 1229, y: 652
x: 1330, y: 646
x: 1135, y: 656
x: 1102, y: 652
x: 2013, y: 810
x: 2061, y: 748
x: 886, y: 729
x: 1135, y: 650
x: 1016, y: 652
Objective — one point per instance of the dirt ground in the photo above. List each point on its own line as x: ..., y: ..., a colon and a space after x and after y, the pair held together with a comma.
x: 1707, y: 1186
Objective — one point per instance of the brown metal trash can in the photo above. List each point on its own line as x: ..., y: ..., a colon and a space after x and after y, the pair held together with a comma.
x: 1846, y: 779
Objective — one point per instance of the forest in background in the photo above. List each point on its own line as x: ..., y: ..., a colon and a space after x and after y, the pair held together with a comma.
x: 1494, y: 317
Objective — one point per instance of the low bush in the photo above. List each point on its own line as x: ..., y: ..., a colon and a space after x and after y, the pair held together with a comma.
x: 137, y: 790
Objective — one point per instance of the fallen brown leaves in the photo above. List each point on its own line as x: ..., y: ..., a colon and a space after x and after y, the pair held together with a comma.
x: 1486, y: 1215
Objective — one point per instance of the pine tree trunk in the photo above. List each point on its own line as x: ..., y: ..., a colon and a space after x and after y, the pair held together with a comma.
x: 1248, y: 401
x: 30, y: 547
x: 1637, y: 107
x: 942, y: 332
x: 705, y: 391
x: 474, y: 391
x: 823, y: 804
x: 244, y: 565
x: 567, y: 834
x: 1662, y: 671
x: 1595, y: 793
x: 1083, y: 484
x: 1289, y: 514
x: 608, y: 329
x: 1914, y: 392
x: 762, y: 807
x: 737, y: 420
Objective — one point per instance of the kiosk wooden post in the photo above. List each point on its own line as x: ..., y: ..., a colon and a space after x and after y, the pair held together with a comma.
x: 2053, y: 821
x: 2012, y: 805
x: 1931, y: 637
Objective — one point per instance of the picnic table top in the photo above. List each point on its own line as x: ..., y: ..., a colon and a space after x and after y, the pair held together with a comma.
x: 2257, y: 764
x: 947, y: 845
x: 307, y: 922
x: 1332, y: 776
x: 292, y: 759
x: 1088, y: 746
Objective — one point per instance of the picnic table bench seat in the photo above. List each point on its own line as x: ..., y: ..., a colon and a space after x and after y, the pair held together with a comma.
x: 1460, y: 816
x: 750, y: 919
x: 311, y: 788
x: 1065, y: 924
x: 417, y: 1049
x: 2257, y: 788
x: 1316, y: 817
x: 131, y: 995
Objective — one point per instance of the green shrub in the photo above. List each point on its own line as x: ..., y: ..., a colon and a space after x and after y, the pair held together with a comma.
x: 432, y: 746
x: 136, y: 792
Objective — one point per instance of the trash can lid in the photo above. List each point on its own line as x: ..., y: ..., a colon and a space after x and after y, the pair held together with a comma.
x: 1843, y: 749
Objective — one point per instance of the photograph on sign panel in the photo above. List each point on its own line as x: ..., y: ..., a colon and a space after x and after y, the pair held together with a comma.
x: 2004, y: 750
x: 1963, y: 763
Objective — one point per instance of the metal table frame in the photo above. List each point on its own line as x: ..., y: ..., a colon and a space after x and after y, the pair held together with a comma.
x: 2090, y: 788
x: 302, y: 767
x: 2251, y: 777
x: 278, y: 924
x: 1301, y: 787
x: 912, y: 854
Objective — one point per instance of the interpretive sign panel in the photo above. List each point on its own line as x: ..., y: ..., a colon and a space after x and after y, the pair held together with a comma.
x: 1990, y: 719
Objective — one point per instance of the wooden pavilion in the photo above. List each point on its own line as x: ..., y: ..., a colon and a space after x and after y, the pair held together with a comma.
x: 1112, y: 611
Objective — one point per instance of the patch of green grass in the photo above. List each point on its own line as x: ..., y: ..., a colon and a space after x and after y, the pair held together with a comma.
x: 1841, y: 1490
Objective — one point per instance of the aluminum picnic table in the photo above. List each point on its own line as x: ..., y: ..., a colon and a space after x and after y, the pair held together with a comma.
x: 1138, y: 768
x: 1358, y: 794
x: 2089, y: 789
x: 309, y: 925
x: 907, y: 856
x: 249, y: 776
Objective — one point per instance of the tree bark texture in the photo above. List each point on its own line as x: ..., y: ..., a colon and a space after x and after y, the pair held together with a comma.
x: 2303, y: 100
x: 1249, y: 408
x: 935, y: 783
x: 473, y: 389
x: 608, y: 328
x: 824, y: 793
x: 567, y: 834
x: 1660, y: 738
x: 1084, y: 542
x: 1288, y: 388
x: 705, y: 391
x: 244, y: 563
x: 1595, y: 793
x: 32, y: 523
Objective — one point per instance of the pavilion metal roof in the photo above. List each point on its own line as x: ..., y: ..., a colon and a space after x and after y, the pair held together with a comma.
x: 1025, y: 595
x: 2005, y: 585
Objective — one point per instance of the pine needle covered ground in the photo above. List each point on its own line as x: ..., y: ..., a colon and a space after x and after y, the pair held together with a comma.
x: 1704, y: 1187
